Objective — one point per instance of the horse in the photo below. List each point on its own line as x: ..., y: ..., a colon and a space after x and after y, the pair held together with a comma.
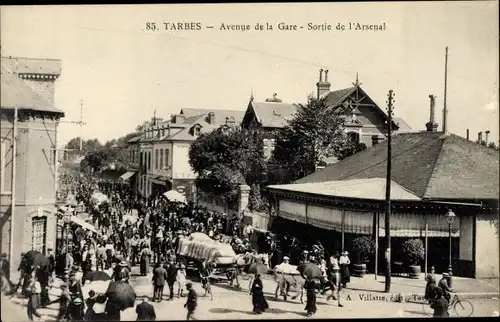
x: 242, y: 263
x: 286, y: 281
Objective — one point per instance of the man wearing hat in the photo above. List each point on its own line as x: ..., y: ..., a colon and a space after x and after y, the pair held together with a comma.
x: 122, y: 272
x: 305, y: 257
x: 335, y: 278
x: 444, y: 285
x: 145, y: 311
x: 75, y: 291
x: 64, y: 300
x: 344, y: 262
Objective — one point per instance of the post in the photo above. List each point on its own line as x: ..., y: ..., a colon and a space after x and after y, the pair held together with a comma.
x: 390, y: 102
x: 445, y: 110
x: 342, y: 228
x: 376, y: 242
x: 426, y: 242
x: 13, y: 188
x: 449, y: 235
x: 81, y: 125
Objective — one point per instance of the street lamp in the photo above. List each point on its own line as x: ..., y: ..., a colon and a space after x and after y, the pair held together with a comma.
x: 450, y: 219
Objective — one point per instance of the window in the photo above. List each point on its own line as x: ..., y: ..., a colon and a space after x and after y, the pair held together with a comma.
x: 167, y: 161
x: 149, y: 160
x: 196, y: 131
x: 161, y: 159
x: 156, y: 159
x: 141, y: 159
x: 353, y: 136
x: 39, y: 226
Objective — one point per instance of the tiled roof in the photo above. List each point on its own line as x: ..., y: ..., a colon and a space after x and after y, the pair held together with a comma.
x: 15, y: 93
x: 430, y: 164
x: 273, y: 114
x: 373, y: 189
x: 335, y: 97
x: 136, y: 138
x: 202, y: 119
x: 21, y: 65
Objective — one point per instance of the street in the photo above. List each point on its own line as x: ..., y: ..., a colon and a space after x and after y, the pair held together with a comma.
x: 229, y: 303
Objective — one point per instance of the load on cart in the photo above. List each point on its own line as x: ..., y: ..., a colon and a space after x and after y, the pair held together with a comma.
x: 199, y: 250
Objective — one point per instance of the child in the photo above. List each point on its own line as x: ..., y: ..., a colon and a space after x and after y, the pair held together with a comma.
x: 181, y: 279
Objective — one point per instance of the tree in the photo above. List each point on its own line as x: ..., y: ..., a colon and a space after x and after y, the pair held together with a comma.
x: 315, y: 133
x: 223, y: 160
x: 143, y: 126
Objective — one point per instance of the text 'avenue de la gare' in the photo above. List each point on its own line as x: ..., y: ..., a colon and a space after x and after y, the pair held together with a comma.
x: 264, y: 26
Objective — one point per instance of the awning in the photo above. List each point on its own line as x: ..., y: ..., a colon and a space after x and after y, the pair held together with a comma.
x: 83, y: 224
x: 173, y: 195
x: 127, y: 175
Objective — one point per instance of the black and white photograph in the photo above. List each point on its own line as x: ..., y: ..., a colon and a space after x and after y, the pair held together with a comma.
x: 231, y: 161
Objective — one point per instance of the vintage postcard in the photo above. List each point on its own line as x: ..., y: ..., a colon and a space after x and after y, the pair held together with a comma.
x: 249, y: 161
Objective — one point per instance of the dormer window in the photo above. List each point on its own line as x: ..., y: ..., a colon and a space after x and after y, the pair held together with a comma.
x: 197, y: 130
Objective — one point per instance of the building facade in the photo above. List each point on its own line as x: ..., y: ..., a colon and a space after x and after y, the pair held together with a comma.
x: 28, y: 91
x: 365, y: 120
x: 163, y: 149
x: 439, y: 171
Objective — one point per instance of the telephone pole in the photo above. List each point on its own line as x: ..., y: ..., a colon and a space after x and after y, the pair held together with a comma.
x: 81, y: 125
x: 390, y: 102
x: 445, y: 109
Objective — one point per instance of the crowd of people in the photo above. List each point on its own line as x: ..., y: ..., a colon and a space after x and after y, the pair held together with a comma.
x: 132, y: 230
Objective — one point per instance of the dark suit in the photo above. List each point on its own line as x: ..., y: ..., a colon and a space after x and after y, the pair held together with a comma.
x: 171, y: 278
x: 145, y: 312
x: 159, y: 278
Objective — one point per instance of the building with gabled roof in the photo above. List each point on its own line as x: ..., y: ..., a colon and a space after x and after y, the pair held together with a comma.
x: 162, y: 151
x: 27, y: 89
x: 432, y: 172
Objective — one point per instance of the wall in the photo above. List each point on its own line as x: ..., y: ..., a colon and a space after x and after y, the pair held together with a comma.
x: 466, y: 243
x: 180, y: 165
x: 487, y: 249
x: 166, y: 163
x: 45, y: 88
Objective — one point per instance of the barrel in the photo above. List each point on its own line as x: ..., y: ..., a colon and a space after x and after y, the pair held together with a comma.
x: 414, y: 271
x: 359, y: 270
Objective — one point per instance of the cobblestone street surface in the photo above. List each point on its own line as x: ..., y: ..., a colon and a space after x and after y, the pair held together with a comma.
x: 363, y: 299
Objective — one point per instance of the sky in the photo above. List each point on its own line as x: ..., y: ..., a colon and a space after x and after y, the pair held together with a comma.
x: 123, y: 73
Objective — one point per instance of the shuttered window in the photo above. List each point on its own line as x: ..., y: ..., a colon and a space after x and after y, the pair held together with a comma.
x: 39, y: 228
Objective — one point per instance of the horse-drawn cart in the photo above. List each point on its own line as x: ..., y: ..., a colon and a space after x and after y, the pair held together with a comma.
x: 199, y: 252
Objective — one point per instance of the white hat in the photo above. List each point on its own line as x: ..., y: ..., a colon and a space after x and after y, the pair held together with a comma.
x: 285, y: 258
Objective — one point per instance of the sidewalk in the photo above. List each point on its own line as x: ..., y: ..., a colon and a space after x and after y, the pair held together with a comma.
x: 465, y: 288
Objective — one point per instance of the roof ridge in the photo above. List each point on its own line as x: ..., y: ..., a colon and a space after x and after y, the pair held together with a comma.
x: 32, y: 58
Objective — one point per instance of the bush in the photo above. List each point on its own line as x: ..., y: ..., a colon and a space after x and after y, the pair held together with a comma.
x: 414, y: 251
x: 363, y: 247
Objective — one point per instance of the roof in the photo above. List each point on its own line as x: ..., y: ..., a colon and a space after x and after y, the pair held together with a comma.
x: 373, y: 189
x: 136, y: 138
x: 22, y: 65
x: 432, y: 165
x: 202, y: 119
x: 335, y: 97
x: 16, y: 93
x: 402, y: 125
x: 273, y: 114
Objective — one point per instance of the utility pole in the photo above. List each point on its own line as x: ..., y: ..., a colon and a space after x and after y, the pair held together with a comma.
x: 390, y: 102
x: 13, y: 188
x: 445, y: 109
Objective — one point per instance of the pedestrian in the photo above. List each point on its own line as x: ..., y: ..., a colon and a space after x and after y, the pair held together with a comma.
x: 64, y: 301
x: 336, y: 280
x: 144, y: 261
x: 145, y: 311
x: 159, y: 278
x: 171, y: 278
x: 191, y: 303
x: 181, y: 279
x: 310, y: 288
x: 5, y: 266
x: 344, y: 268
x: 430, y: 288
x: 440, y: 305
x: 34, y: 301
x: 258, y: 300
x: 90, y: 302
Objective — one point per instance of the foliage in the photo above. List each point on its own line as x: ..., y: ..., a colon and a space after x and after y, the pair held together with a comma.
x: 315, y: 133
x: 414, y: 251
x: 490, y: 145
x: 363, y: 247
x: 223, y: 160
x: 255, y: 202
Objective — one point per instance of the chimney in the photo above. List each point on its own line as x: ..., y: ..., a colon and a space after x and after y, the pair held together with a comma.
x: 467, y: 135
x: 487, y: 133
x: 432, y: 125
x: 374, y: 140
x: 479, y: 137
x: 275, y: 99
x: 323, y: 86
x: 211, y: 118
x: 178, y: 118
